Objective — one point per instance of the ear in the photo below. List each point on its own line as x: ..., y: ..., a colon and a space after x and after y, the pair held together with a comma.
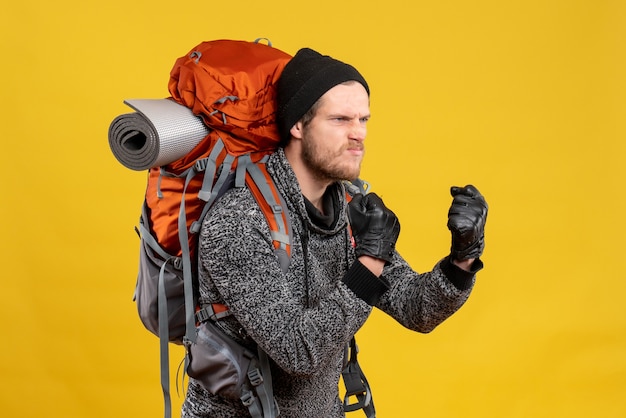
x: 296, y: 130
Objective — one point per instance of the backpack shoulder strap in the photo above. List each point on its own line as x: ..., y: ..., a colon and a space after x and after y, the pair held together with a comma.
x: 272, y: 205
x: 356, y: 385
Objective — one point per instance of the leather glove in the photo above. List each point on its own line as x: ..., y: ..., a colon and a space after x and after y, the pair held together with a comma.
x: 466, y: 221
x: 375, y: 228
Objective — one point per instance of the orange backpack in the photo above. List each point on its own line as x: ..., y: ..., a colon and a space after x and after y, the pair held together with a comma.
x: 231, y: 86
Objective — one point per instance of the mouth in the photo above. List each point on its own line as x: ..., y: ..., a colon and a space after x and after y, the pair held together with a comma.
x: 355, y: 152
x: 356, y: 149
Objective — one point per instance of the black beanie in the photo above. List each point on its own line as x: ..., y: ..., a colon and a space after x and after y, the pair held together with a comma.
x: 305, y: 78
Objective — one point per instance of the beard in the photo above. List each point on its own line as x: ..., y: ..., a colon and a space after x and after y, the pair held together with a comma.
x: 327, y: 165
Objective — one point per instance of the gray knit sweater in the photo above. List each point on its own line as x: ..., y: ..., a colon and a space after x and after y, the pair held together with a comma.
x: 304, y: 318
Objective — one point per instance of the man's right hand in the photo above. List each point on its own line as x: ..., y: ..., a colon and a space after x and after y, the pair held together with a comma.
x: 375, y: 228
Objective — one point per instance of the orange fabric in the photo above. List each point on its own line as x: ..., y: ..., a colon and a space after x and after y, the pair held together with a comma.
x: 217, y: 69
x: 209, y: 72
x: 219, y: 308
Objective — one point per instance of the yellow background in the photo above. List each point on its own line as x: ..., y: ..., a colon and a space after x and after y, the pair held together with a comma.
x: 525, y: 99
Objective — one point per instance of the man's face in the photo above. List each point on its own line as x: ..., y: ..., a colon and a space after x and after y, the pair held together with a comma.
x: 332, y: 142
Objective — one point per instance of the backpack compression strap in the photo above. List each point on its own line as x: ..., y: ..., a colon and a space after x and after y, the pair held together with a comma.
x: 163, y: 315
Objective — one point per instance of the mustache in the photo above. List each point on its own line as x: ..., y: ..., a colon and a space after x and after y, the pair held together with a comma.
x: 355, y: 145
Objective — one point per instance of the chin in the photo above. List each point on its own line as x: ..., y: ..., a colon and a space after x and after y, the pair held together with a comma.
x: 353, y: 175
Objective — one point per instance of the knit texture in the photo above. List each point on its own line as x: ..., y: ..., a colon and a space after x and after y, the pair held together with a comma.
x: 303, y: 319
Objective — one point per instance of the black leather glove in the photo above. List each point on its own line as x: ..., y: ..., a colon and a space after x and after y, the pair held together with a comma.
x: 375, y: 228
x: 466, y: 221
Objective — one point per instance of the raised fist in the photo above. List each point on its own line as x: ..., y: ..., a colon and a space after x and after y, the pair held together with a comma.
x: 375, y: 228
x: 466, y: 222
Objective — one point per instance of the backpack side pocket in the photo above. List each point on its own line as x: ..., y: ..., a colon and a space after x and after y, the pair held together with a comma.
x: 220, y: 364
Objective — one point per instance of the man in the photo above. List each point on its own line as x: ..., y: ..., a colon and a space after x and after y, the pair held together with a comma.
x: 304, y: 318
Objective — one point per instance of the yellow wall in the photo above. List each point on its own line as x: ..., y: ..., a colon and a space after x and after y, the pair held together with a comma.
x: 525, y: 99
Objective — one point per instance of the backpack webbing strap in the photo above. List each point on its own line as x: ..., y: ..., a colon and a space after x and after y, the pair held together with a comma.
x: 190, y: 335
x: 217, y: 190
x: 147, y: 237
x: 252, y: 403
x: 261, y: 405
x: 163, y: 343
x: 357, y: 385
x: 210, y: 169
x: 263, y: 385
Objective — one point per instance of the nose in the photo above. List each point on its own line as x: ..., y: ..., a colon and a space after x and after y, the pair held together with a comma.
x: 358, y: 130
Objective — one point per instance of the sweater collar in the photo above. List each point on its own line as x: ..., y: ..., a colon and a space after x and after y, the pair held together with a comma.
x: 279, y: 168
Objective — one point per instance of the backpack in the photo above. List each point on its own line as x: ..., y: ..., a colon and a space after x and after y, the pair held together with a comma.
x: 231, y: 86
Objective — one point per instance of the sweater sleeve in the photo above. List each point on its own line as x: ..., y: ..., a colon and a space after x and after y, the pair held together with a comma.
x: 365, y: 284
x: 422, y: 301
x: 460, y: 278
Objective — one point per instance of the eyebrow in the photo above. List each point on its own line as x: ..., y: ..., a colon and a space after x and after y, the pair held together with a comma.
x: 343, y: 115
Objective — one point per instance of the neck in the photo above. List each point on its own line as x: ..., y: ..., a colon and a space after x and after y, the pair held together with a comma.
x: 312, y: 187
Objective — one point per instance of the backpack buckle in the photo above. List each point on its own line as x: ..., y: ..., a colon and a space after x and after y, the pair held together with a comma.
x: 255, y: 377
x: 201, y: 164
x: 247, y: 398
x: 195, y: 56
x: 177, y: 262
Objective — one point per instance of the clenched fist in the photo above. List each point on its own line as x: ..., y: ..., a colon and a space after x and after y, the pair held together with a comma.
x: 375, y: 228
x: 466, y: 222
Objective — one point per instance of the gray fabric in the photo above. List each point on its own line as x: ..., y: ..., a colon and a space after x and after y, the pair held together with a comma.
x: 231, y: 371
x: 303, y: 321
x: 159, y: 132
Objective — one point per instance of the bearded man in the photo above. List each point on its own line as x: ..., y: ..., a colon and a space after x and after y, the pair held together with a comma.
x: 343, y: 257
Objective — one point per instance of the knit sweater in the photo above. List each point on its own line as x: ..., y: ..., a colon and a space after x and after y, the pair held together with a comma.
x: 304, y: 318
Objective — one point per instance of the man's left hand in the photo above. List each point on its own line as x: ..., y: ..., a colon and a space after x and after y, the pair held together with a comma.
x: 466, y: 222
